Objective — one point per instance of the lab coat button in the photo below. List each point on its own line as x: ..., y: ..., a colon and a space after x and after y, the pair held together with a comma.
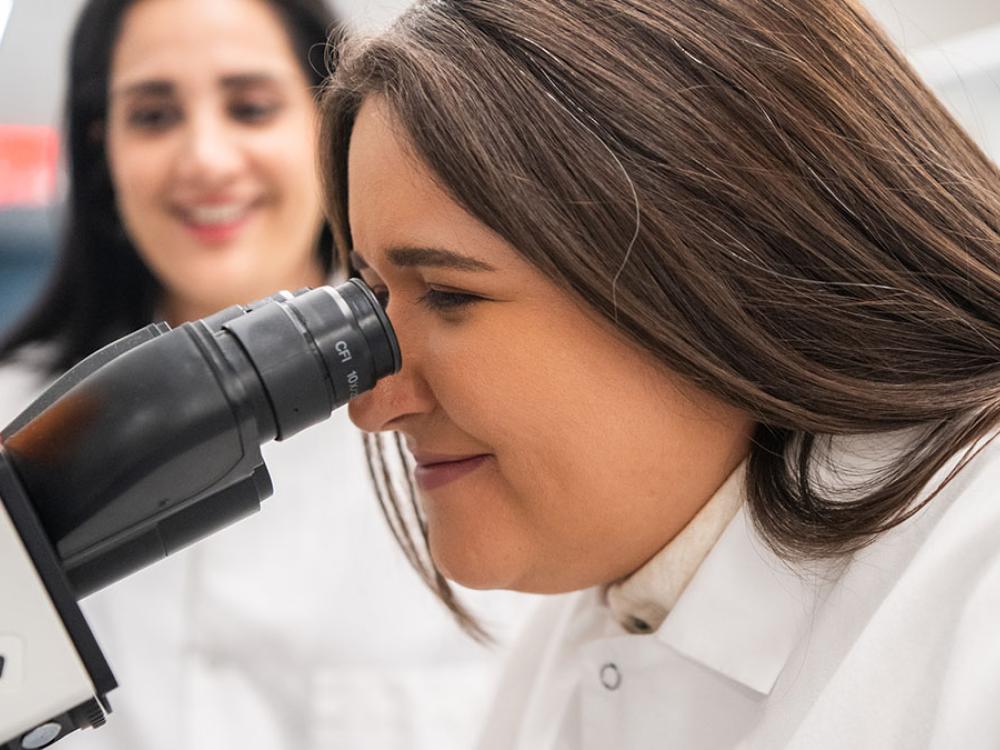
x: 611, y: 678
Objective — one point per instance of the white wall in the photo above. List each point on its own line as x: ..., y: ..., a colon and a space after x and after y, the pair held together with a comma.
x: 31, y: 60
x: 914, y: 24
x: 975, y: 102
x: 370, y: 14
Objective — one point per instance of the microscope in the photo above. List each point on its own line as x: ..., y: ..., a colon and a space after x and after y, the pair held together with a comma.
x: 143, y: 448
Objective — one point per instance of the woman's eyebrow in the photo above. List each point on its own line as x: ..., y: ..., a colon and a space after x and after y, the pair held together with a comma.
x: 432, y: 257
x: 429, y: 257
x: 152, y: 87
x: 165, y: 87
x: 249, y: 80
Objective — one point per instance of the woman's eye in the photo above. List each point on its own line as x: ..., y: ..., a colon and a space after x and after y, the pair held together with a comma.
x: 382, y: 295
x: 253, y: 112
x: 442, y: 301
x: 153, y: 118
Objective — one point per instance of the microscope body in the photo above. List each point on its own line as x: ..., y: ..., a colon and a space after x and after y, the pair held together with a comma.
x: 143, y: 448
x: 53, y: 676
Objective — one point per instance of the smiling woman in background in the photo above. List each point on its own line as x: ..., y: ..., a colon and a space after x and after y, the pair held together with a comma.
x: 699, y: 309
x: 193, y: 186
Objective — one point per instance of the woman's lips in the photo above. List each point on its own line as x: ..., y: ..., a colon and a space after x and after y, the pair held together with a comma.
x: 216, y: 234
x: 216, y: 224
x: 430, y: 475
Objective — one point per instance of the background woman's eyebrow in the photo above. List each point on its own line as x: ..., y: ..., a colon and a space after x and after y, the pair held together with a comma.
x: 164, y: 87
x: 249, y: 80
x: 410, y: 257
x: 153, y: 87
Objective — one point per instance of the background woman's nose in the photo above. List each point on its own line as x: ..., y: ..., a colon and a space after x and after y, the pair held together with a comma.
x: 208, y: 151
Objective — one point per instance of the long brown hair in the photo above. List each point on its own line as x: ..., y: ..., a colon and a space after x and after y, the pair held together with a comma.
x: 760, y: 193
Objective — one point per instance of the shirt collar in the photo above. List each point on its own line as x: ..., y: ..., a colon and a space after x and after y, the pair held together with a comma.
x: 717, y: 594
x: 744, y: 610
x: 640, y: 603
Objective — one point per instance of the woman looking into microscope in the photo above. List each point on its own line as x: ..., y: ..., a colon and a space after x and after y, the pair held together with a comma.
x: 699, y: 309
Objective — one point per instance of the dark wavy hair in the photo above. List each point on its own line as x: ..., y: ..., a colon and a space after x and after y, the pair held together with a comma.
x: 100, y: 288
x: 762, y: 194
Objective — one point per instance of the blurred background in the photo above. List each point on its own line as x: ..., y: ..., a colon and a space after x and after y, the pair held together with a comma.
x: 955, y: 45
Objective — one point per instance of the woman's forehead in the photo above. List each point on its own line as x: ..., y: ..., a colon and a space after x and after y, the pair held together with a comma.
x: 389, y: 188
x: 395, y: 203
x: 182, y: 38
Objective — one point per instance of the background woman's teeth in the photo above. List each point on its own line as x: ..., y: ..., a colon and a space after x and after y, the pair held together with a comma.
x: 217, y: 214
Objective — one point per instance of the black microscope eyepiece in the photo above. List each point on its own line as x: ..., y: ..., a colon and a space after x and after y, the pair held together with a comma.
x: 332, y: 341
x: 154, y: 441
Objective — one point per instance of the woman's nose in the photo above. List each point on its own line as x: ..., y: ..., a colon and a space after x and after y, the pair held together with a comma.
x: 398, y: 399
x: 210, y: 152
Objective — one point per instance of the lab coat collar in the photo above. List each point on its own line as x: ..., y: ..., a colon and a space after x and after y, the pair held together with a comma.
x: 744, y: 611
x: 644, y: 598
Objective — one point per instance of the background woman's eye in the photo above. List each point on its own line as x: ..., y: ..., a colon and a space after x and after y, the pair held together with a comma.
x: 154, y: 118
x: 442, y: 301
x: 253, y: 112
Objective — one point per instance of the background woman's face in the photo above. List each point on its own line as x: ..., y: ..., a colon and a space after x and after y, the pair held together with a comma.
x: 574, y: 456
x: 211, y: 143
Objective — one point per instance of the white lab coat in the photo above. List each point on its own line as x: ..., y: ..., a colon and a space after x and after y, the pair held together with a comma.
x: 899, y: 648
x: 301, y: 627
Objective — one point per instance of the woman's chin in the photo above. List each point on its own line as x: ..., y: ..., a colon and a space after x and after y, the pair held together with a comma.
x: 467, y: 568
x: 470, y: 577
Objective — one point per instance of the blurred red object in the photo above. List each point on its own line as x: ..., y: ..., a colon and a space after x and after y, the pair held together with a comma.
x: 29, y: 160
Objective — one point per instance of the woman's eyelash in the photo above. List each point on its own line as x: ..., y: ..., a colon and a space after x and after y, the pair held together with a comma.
x: 153, y: 118
x: 441, y: 301
x: 433, y: 299
x: 253, y: 112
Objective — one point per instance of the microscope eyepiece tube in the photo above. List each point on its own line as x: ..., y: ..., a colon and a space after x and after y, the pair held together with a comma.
x: 154, y: 441
x: 316, y: 350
